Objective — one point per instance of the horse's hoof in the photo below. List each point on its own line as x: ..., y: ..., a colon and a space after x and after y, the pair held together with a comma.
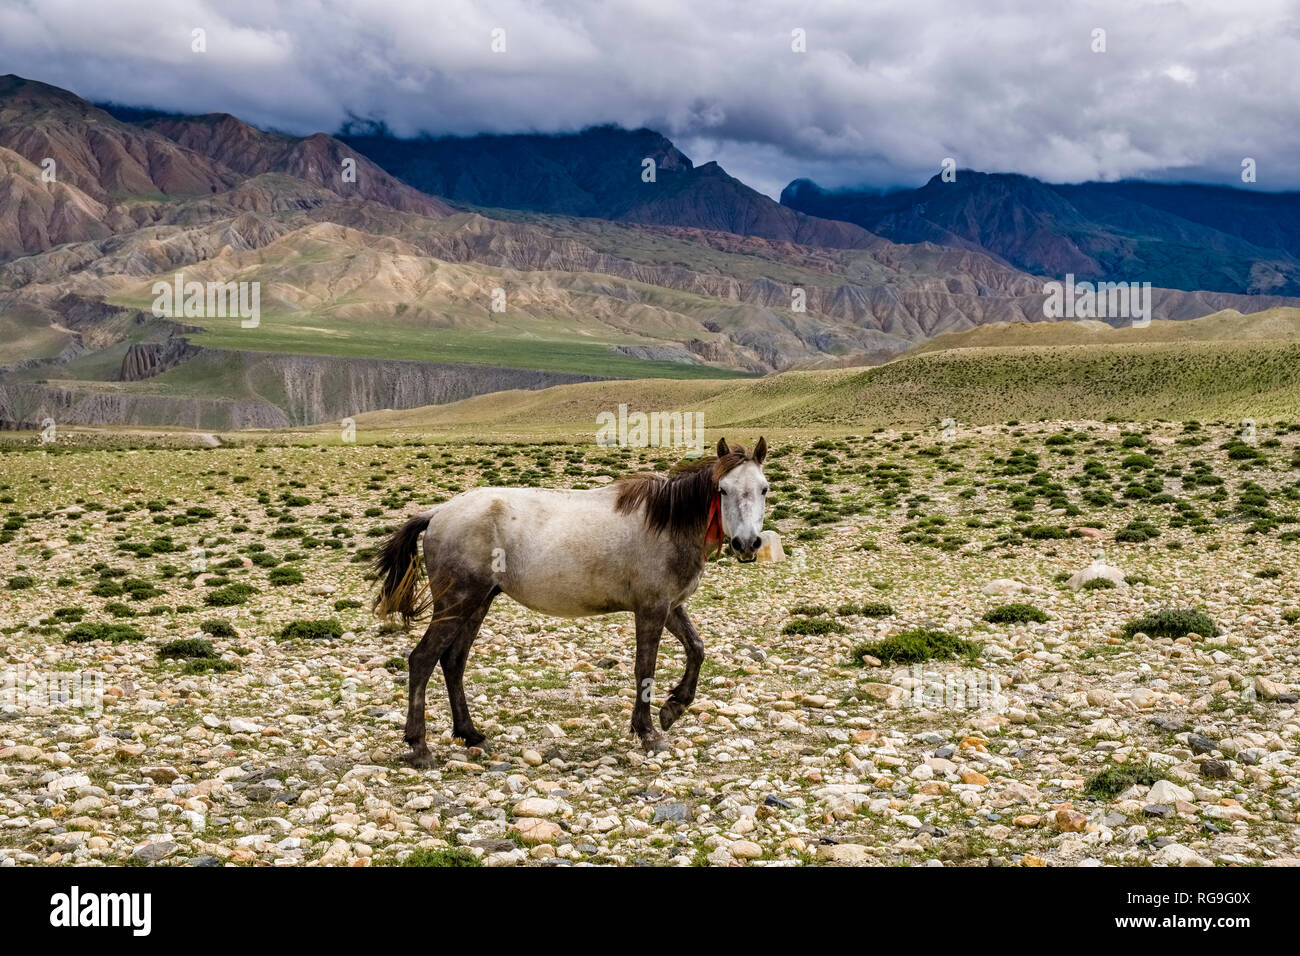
x: 669, y: 713
x: 655, y: 743
x: 421, y: 759
x: 472, y: 739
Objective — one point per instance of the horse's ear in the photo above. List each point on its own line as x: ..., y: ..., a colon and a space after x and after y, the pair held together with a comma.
x: 722, y: 447
x: 760, y: 451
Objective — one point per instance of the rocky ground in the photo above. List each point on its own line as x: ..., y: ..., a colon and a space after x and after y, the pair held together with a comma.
x: 1075, y: 731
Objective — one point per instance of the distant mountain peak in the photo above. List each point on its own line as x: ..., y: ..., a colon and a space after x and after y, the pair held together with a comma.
x: 1179, y: 236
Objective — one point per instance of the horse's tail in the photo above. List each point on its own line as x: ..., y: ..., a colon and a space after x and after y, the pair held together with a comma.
x: 403, y: 589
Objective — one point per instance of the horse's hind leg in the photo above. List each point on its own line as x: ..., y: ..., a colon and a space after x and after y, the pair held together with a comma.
x: 453, y: 672
x: 420, y: 665
x: 649, y: 628
x: 680, y: 626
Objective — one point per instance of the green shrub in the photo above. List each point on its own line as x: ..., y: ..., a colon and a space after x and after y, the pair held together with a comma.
x: 1172, y: 623
x: 215, y: 627
x: 230, y: 595
x: 451, y: 856
x: 20, y: 582
x: 312, y: 630
x: 810, y: 610
x: 1045, y: 532
x: 208, y: 665
x: 866, y: 609
x: 915, y: 647
x: 187, y: 647
x: 1109, y: 783
x: 284, y: 575
x: 1137, y: 531
x: 1100, y: 584
x: 813, y: 625
x: 875, y: 609
x: 1015, y: 614
x: 91, y: 631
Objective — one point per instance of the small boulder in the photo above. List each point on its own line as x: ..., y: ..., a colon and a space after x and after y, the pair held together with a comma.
x: 1269, y: 689
x: 1166, y: 791
x: 1003, y: 586
x: 853, y: 854
x: 534, y: 830
x: 1098, y: 570
x: 770, y: 551
x: 1175, y: 854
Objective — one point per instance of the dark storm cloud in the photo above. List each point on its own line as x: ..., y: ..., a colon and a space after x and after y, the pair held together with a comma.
x: 885, y: 91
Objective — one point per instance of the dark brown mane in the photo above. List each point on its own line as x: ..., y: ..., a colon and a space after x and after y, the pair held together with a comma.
x: 679, y: 501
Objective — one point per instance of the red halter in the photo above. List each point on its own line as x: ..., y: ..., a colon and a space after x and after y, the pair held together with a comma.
x: 713, y: 534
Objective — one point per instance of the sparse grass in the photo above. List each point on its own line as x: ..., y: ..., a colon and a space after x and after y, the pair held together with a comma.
x: 873, y: 486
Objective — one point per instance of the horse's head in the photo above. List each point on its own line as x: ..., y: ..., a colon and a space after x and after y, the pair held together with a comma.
x: 743, y: 491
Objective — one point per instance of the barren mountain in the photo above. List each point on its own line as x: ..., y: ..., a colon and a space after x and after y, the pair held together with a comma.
x: 692, y: 276
x: 316, y: 159
x: 1175, y: 236
x: 104, y: 158
x: 39, y: 215
x: 599, y: 173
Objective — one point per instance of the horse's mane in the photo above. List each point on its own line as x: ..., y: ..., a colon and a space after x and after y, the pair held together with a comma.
x: 679, y: 501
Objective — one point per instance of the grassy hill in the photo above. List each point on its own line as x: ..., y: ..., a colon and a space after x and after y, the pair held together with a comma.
x: 1135, y: 381
x: 1228, y: 325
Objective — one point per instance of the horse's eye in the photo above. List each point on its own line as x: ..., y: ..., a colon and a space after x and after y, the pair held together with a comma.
x: 722, y: 491
x: 764, y: 491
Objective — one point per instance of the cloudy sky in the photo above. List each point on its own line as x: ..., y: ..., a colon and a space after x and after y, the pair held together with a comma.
x: 885, y: 90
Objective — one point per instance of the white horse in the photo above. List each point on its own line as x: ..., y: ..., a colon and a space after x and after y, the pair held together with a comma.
x: 638, y: 544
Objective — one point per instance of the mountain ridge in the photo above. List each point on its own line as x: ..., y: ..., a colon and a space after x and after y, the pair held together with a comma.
x: 1182, y: 236
x: 693, y: 275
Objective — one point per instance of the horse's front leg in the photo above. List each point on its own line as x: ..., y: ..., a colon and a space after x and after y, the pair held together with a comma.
x: 680, y: 626
x: 649, y: 628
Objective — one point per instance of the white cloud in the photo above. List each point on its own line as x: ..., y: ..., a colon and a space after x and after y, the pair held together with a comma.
x: 883, y: 93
